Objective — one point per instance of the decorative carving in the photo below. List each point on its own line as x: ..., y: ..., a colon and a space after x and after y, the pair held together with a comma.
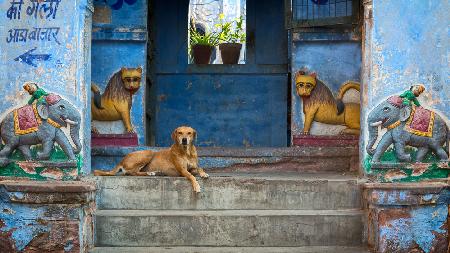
x: 320, y: 105
x: 420, y: 122
x: 40, y: 123
x: 407, y: 124
x: 26, y: 120
x: 115, y: 103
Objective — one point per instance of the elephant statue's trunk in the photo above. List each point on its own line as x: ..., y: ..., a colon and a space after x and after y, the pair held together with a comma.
x: 75, y: 135
x: 373, y: 122
x: 373, y: 135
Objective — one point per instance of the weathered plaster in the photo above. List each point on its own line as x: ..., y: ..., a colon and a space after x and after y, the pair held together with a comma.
x: 406, y: 218
x: 120, y: 41
x: 405, y: 43
x: 335, y: 62
x: 59, y: 63
x: 39, y: 217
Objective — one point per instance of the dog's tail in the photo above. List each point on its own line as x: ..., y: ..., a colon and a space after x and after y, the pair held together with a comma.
x: 97, y: 96
x: 108, y: 173
x: 344, y: 88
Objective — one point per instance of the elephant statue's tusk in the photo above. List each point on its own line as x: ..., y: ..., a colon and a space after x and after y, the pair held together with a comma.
x: 376, y: 123
x: 71, y: 122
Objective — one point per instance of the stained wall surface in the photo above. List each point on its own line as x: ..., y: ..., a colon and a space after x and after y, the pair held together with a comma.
x: 47, y: 42
x: 335, y: 62
x: 406, y: 43
x: 119, y: 41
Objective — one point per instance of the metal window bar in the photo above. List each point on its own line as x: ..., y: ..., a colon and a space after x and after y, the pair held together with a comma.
x: 309, y: 13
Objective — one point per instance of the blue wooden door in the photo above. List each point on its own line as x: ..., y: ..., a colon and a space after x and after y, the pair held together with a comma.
x: 228, y: 105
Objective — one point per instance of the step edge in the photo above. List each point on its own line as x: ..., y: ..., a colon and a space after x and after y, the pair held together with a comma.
x: 228, y: 212
x: 298, y: 249
x: 355, y: 180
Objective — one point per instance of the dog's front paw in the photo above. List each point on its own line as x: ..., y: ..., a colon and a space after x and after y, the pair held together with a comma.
x: 204, y: 175
x: 151, y: 173
x: 196, y: 187
x: 130, y: 131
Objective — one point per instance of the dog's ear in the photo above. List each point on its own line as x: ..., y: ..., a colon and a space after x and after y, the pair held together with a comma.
x: 195, y: 135
x: 174, y: 135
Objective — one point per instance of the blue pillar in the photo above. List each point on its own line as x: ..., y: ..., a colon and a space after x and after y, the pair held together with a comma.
x: 46, y: 43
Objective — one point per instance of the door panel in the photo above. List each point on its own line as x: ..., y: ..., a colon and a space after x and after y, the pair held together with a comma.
x: 226, y: 110
x: 270, y: 33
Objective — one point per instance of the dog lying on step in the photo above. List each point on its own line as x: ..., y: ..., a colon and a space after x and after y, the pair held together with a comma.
x: 179, y: 160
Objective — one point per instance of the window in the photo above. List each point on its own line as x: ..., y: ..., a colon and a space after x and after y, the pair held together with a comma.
x: 310, y: 13
x: 213, y: 25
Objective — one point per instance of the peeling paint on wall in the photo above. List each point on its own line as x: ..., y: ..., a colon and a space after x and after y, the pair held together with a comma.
x: 40, y: 43
x: 402, y: 51
x: 42, y: 217
x: 405, y: 218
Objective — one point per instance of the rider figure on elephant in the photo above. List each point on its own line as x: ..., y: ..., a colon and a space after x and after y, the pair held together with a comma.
x: 37, y: 94
x: 410, y: 96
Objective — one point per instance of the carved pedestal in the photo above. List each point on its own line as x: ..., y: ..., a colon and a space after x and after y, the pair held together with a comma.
x: 409, y: 217
x: 46, y: 217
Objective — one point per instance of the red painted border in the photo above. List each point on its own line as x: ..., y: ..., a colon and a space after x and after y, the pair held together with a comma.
x: 124, y: 140
x: 325, y: 140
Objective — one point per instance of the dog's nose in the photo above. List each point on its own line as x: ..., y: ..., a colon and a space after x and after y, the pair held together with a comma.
x: 184, y: 141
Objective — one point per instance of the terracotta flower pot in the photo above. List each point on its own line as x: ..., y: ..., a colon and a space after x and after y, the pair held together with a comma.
x: 201, y: 53
x: 230, y: 52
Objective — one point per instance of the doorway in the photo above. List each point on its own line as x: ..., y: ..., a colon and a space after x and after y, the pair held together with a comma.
x: 230, y: 105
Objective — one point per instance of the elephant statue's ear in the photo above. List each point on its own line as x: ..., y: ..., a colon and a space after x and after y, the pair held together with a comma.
x: 43, y: 110
x: 405, y: 112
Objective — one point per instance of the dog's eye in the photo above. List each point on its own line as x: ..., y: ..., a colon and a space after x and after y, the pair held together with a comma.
x: 189, y: 133
x: 179, y: 132
x: 308, y: 85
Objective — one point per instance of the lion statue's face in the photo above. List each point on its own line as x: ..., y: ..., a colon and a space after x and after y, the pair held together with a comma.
x: 131, y: 78
x: 305, y: 84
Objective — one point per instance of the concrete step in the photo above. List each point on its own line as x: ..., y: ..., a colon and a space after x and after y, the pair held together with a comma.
x: 313, y: 249
x: 231, y: 191
x: 228, y: 228
x: 293, y: 159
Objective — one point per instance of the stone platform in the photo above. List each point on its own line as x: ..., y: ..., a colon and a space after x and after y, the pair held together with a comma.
x: 236, y: 212
x: 46, y: 217
x: 289, y: 159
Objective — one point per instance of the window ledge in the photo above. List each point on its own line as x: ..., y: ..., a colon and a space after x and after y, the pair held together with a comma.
x: 102, y: 32
x: 329, y: 35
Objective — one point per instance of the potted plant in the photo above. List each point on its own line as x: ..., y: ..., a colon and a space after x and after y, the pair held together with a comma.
x: 231, y: 36
x: 202, y: 45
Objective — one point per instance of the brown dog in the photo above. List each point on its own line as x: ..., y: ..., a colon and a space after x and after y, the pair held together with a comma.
x: 179, y: 160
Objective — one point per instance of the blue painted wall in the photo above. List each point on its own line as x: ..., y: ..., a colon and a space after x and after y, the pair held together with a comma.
x: 334, y: 61
x: 120, y: 41
x: 405, y: 218
x: 406, y: 43
x: 107, y: 58
x: 121, y: 11
x: 58, y: 62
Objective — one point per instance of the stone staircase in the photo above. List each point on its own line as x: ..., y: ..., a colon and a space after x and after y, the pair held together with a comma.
x: 237, y: 211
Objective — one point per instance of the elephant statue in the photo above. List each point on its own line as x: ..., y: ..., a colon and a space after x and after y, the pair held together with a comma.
x: 406, y: 125
x: 40, y: 123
